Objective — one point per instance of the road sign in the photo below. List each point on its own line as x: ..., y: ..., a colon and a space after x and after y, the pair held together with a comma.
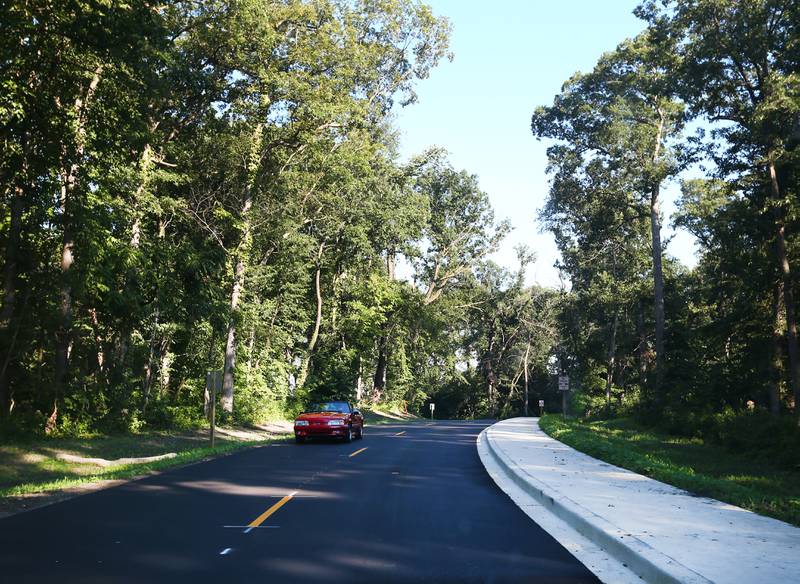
x: 541, y: 403
x: 433, y: 407
x: 563, y: 383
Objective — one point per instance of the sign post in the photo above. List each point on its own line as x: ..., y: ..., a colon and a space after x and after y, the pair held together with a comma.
x: 563, y: 387
x: 433, y: 407
x: 541, y: 408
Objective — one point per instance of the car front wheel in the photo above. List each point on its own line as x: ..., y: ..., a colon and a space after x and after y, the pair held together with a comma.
x: 349, y: 436
x: 360, y: 434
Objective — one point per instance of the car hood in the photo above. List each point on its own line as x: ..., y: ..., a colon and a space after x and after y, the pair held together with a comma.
x: 322, y: 416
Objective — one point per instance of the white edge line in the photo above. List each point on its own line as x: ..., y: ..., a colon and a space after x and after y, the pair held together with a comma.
x: 225, y: 552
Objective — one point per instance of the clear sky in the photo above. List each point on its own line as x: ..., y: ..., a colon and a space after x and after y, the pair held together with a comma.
x: 510, y: 56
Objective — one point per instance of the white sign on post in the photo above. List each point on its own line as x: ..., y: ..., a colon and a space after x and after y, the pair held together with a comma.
x: 541, y: 403
x: 433, y: 407
x: 563, y: 383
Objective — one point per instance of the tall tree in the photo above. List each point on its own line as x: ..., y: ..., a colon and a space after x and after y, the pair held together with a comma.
x: 740, y: 63
x: 625, y: 112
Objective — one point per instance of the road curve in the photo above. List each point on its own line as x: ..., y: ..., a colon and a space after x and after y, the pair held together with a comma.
x: 409, y: 503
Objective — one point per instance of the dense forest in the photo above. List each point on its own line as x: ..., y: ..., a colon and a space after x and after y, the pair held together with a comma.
x: 203, y: 185
x: 707, y: 97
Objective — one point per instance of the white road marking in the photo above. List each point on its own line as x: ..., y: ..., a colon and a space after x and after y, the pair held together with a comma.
x: 226, y: 551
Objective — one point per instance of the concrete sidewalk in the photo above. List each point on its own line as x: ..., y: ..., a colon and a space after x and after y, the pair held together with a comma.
x: 661, y: 533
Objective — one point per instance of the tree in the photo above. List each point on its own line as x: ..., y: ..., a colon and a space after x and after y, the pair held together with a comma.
x: 740, y: 63
x: 625, y: 113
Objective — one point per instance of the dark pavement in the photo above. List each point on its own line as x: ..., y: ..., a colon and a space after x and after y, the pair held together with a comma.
x: 418, y: 507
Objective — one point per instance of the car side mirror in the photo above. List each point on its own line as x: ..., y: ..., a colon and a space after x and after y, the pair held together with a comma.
x: 356, y: 412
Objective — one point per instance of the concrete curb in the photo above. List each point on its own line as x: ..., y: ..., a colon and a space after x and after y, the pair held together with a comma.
x: 645, y: 561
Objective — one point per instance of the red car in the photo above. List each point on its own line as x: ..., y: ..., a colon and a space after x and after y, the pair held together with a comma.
x: 329, y: 419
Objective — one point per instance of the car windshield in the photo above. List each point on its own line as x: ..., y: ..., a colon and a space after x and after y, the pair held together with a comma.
x: 339, y: 407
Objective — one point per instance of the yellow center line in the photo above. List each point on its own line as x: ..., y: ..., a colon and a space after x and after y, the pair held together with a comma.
x: 400, y: 433
x: 358, y: 452
x: 263, y: 517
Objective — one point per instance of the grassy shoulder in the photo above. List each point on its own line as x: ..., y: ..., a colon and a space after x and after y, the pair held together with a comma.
x: 51, y: 464
x: 688, y: 463
x: 390, y: 415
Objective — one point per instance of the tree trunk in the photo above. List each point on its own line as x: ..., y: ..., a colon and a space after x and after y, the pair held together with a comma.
x: 776, y: 365
x: 525, y: 365
x: 379, y: 379
x: 164, y: 366
x: 391, y: 262
x: 210, y: 362
x: 490, y: 382
x: 610, y: 361
x: 788, y: 294
x: 658, y: 275
x: 252, y: 166
x: 641, y: 350
x: 147, y: 382
x: 145, y: 168
x: 10, y: 293
x: 312, y: 341
x: 98, y: 340
x: 251, y: 342
x: 226, y: 400
x: 359, y: 382
x: 69, y: 181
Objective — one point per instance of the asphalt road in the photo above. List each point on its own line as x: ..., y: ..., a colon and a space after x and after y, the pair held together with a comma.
x: 415, y: 506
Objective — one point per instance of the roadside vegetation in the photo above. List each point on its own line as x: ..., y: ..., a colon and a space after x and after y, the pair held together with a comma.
x: 53, y: 464
x: 748, y: 478
x: 702, y: 101
x: 216, y: 186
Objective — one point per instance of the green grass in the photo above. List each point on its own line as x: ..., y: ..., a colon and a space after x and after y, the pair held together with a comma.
x: 32, y: 466
x: 688, y: 463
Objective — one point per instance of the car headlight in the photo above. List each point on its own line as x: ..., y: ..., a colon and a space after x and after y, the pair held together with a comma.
x: 335, y: 422
x: 301, y: 423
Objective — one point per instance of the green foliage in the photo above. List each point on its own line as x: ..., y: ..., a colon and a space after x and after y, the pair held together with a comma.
x: 718, y: 348
x: 212, y: 186
x: 162, y: 416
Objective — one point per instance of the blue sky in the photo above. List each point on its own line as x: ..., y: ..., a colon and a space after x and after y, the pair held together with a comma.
x: 510, y: 56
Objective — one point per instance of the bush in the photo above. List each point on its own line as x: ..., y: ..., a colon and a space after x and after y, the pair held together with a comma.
x: 72, y: 425
x: 754, y: 432
x: 165, y: 417
x: 22, y: 423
